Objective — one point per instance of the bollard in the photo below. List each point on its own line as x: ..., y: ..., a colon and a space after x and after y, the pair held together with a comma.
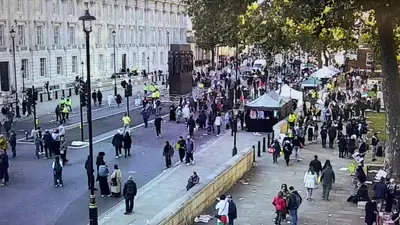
x: 254, y: 153
x: 269, y: 140
x: 259, y: 149
x: 264, y: 147
x: 152, y: 79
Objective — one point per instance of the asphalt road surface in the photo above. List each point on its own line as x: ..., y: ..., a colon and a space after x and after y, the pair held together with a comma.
x: 49, y: 121
x: 31, y: 198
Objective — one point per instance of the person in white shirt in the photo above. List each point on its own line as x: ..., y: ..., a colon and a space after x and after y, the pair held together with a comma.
x: 57, y: 172
x: 222, y: 208
x: 110, y: 99
x: 218, y: 123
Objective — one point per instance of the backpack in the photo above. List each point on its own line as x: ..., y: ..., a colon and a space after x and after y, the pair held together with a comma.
x: 57, y: 167
x: 299, y: 200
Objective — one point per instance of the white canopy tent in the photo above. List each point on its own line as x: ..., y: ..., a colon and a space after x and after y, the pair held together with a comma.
x: 291, y: 93
x: 325, y: 72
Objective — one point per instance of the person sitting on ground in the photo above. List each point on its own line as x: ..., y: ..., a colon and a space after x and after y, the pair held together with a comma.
x: 193, y: 180
x: 361, y: 195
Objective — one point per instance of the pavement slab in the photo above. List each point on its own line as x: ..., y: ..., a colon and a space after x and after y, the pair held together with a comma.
x: 253, y: 200
x: 31, y: 199
x: 171, y: 185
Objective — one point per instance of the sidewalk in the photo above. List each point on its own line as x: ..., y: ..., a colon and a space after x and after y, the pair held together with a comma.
x: 253, y: 195
x: 163, y: 190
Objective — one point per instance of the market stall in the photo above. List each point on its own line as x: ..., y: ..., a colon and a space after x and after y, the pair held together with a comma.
x: 310, y: 83
x: 288, y: 92
x: 264, y: 112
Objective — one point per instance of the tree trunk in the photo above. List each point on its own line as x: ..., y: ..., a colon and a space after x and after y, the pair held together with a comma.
x: 391, y: 92
x: 326, y: 58
x: 213, y: 58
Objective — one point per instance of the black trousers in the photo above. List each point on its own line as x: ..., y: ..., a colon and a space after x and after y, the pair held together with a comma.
x: 331, y: 140
x: 323, y: 139
x: 127, y: 151
x: 118, y: 151
x: 189, y: 157
x: 129, y: 205
x: 168, y: 161
x: 181, y: 154
x: 158, y: 131
x: 47, y: 150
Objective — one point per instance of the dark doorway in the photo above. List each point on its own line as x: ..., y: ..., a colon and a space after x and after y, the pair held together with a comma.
x: 124, y: 62
x: 4, y: 76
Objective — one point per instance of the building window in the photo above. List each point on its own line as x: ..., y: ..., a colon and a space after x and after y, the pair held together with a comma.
x: 134, y: 59
x: 2, y: 40
x: 71, y: 9
x: 141, y: 33
x: 56, y: 7
x: 39, y: 36
x: 24, y: 63
x: 109, y: 9
x: 99, y: 9
x: 71, y: 31
x: 74, y: 64
x: 144, y: 59
x: 1, y: 5
x: 42, y: 67
x: 154, y: 58
x: 161, y: 58
x: 38, y: 6
x: 112, y: 61
x: 369, y: 59
x: 132, y: 36
x: 59, y: 65
x: 110, y: 36
x: 101, y: 62
x: 98, y: 35
x: 56, y: 30
x: 21, y: 35
x: 121, y: 35
x: 160, y: 37
x: 20, y: 6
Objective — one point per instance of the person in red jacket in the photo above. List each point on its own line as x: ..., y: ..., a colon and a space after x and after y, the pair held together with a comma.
x: 280, y: 207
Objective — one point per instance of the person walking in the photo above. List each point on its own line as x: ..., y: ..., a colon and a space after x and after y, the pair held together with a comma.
x: 293, y: 203
x: 146, y: 115
x: 287, y: 151
x: 296, y: 146
x: 181, y: 146
x: 126, y: 120
x: 327, y: 179
x: 57, y: 172
x: 37, y: 141
x: 4, y: 165
x: 103, y: 182
x: 63, y: 150
x: 94, y: 97
x: 157, y: 124
x: 190, y: 146
x: 310, y: 181
x: 110, y: 99
x: 222, y: 208
x: 129, y: 192
x: 127, y: 140
x: 191, y: 124
x: 99, y: 97
x: 13, y: 143
x: 232, y: 210
x: 47, y: 140
x: 89, y: 173
x: 316, y: 164
x: 277, y: 151
x: 371, y: 211
x: 117, y: 143
x: 116, y: 182
x: 168, y: 153
x: 218, y: 123
x: 280, y: 207
x: 332, y: 131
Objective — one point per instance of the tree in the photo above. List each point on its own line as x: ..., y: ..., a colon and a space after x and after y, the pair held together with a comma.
x: 345, y: 14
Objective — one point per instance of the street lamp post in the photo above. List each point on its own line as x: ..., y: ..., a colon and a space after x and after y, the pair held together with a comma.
x: 80, y: 104
x: 168, y: 47
x: 148, y: 64
x: 12, y: 32
x: 115, y: 65
x: 234, y: 128
x: 87, y: 28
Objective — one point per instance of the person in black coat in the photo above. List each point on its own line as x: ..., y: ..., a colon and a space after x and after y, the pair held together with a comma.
x: 94, y: 97
x: 157, y: 124
x: 172, y: 114
x: 232, y: 210
x: 127, y: 140
x: 117, y: 143
x: 324, y: 134
x: 99, y: 97
x: 48, y: 140
x: 191, y: 125
x: 342, y: 142
x: 118, y: 99
x: 371, y: 211
x: 4, y: 179
x: 89, y: 173
x: 13, y: 144
x: 129, y: 192
x: 332, y: 135
x: 287, y: 151
x: 316, y: 164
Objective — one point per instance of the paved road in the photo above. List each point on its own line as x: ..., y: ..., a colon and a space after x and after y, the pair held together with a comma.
x: 31, y: 199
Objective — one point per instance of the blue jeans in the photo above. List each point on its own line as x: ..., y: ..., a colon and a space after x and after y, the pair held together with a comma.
x: 293, y: 216
x: 297, y: 153
x: 37, y: 148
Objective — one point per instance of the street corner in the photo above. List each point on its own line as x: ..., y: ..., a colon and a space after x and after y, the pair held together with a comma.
x: 78, y: 144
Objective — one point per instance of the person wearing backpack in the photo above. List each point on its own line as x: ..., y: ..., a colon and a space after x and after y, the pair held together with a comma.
x: 129, y: 192
x: 168, y: 153
x: 293, y: 203
x: 232, y: 210
x: 57, y: 172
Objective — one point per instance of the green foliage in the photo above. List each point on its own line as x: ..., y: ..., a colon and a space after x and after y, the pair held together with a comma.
x: 216, y: 21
